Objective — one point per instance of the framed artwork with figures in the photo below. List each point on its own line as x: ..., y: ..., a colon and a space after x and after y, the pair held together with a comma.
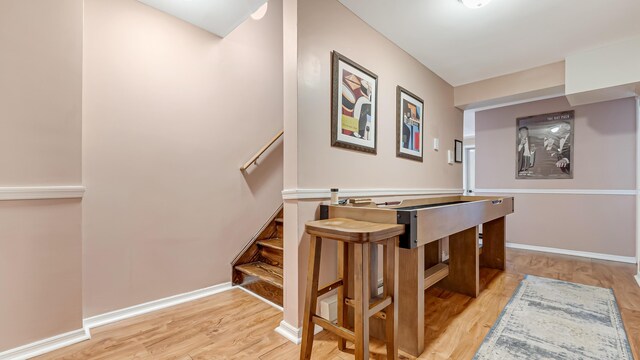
x: 409, y: 124
x: 544, y: 146
x: 354, y: 105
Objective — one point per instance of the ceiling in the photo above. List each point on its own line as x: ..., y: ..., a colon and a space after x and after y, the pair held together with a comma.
x: 219, y: 17
x: 465, y: 45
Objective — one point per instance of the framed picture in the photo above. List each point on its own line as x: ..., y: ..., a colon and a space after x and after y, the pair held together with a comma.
x: 354, y: 105
x: 458, y: 151
x: 409, y: 124
x: 544, y: 146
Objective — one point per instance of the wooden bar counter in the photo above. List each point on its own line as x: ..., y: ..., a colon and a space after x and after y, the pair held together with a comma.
x: 427, y: 222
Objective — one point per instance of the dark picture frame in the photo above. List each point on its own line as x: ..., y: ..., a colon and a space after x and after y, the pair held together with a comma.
x: 354, y: 105
x: 458, y: 150
x: 409, y: 125
x: 544, y: 146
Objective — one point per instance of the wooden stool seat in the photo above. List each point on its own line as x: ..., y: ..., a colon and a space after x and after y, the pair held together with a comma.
x: 359, y: 235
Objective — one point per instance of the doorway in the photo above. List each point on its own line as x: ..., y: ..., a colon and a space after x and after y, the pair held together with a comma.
x: 469, y: 170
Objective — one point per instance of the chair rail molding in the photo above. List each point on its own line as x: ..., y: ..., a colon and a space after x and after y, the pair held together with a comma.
x: 41, y: 192
x: 559, y: 191
x: 309, y: 194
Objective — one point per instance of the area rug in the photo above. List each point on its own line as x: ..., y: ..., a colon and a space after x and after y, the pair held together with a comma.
x: 552, y: 319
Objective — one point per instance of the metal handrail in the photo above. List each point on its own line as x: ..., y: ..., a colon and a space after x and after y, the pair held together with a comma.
x: 261, y: 151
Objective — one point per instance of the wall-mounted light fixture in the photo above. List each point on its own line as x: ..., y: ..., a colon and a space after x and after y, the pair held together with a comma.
x: 474, y: 4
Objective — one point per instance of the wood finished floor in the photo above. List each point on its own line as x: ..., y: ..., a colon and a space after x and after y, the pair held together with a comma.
x: 235, y: 325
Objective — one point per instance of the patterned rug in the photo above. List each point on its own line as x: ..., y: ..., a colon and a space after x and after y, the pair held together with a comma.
x: 552, y: 319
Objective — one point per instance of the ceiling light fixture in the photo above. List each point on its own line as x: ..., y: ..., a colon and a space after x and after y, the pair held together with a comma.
x: 259, y: 14
x: 474, y: 4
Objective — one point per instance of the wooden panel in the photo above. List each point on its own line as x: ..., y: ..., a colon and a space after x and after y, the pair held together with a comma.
x: 434, y: 274
x: 464, y: 266
x: 411, y: 301
x: 433, y: 253
x: 493, y: 244
x: 436, y: 223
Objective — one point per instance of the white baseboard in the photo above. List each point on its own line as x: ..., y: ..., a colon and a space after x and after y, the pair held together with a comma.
x: 155, y: 305
x: 289, y: 332
x: 260, y: 298
x: 638, y: 278
x: 585, y: 254
x: 44, y: 346
x: 293, y: 334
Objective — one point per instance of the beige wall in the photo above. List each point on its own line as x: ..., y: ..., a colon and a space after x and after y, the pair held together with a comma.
x: 604, y: 159
x: 40, y: 99
x: 40, y: 270
x: 40, y: 144
x: 170, y: 114
x: 325, y: 26
x: 323, y: 166
x: 538, y: 82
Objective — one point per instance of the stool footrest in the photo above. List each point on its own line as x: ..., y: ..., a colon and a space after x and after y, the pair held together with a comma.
x: 334, y: 285
x: 379, y: 305
x: 329, y: 326
x: 379, y: 314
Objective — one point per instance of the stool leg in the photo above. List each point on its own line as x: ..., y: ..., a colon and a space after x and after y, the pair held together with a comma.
x: 361, y: 299
x: 390, y: 276
x: 311, y: 298
x: 343, y: 291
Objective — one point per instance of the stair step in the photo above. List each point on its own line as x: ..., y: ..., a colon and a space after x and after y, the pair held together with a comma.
x: 265, y: 272
x: 279, y: 220
x: 275, y: 243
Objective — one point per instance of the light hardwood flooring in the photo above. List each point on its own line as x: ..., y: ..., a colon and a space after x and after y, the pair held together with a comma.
x: 235, y: 325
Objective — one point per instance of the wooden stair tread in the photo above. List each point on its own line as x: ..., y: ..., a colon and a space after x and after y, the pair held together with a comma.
x: 275, y: 243
x: 279, y: 220
x: 265, y: 272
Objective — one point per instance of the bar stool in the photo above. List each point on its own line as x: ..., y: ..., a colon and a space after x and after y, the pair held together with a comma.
x: 359, y: 235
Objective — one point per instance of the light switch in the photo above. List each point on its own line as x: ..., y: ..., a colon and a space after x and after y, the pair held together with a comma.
x: 436, y: 144
x: 450, y: 156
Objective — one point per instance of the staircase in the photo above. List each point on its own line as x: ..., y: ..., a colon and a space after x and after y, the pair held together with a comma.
x: 258, y: 268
